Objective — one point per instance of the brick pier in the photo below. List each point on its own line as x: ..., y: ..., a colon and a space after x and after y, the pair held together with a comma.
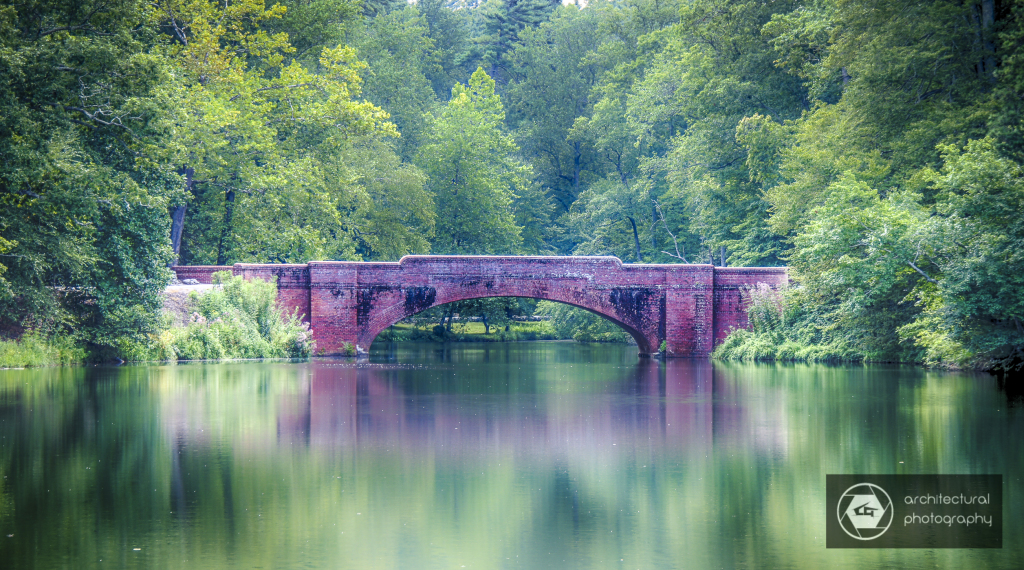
x: 690, y: 307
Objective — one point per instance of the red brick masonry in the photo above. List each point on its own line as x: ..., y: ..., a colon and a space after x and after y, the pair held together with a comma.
x: 691, y: 307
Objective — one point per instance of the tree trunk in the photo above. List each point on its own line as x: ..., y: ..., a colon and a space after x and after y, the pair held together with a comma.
x: 225, y: 233
x: 636, y: 239
x: 449, y: 314
x: 988, y: 20
x: 983, y: 38
x: 722, y: 252
x: 487, y: 326
x: 654, y: 218
x: 576, y: 169
x: 178, y: 216
x: 177, y: 225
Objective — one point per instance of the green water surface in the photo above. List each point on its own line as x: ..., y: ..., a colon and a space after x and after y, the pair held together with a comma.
x: 522, y: 455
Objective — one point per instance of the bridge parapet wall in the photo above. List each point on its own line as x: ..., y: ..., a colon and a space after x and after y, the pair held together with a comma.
x: 201, y: 273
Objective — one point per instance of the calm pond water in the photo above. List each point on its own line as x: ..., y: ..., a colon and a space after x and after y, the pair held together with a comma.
x: 527, y: 455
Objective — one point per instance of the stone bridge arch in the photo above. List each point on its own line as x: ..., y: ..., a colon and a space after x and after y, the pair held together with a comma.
x: 689, y: 308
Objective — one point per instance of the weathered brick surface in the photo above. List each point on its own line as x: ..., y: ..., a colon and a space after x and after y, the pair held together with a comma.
x: 689, y: 307
x: 730, y: 306
x: 689, y: 314
x: 292, y: 284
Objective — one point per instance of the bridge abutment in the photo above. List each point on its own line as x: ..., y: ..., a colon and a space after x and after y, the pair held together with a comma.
x: 689, y: 311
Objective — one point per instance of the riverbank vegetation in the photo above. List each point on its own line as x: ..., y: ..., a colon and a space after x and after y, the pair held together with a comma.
x: 506, y: 319
x: 469, y: 331
x: 34, y: 350
x: 874, y: 148
x: 238, y: 319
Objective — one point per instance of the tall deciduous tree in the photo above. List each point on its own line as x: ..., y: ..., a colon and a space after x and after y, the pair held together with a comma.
x: 553, y: 74
x: 399, y: 53
x: 83, y: 234
x: 973, y: 301
x: 474, y: 172
x: 248, y: 118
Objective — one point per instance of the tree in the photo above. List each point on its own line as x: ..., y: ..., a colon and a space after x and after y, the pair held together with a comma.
x: 713, y: 74
x: 252, y: 123
x: 83, y: 237
x: 1009, y: 91
x: 552, y: 80
x: 397, y: 215
x: 456, y: 55
x: 859, y: 259
x: 973, y: 301
x: 473, y: 172
x: 503, y: 21
x: 399, y: 53
x: 876, y: 113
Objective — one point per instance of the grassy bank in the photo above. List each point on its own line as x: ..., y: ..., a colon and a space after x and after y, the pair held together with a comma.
x: 36, y: 350
x: 238, y: 319
x: 469, y: 331
x: 749, y: 346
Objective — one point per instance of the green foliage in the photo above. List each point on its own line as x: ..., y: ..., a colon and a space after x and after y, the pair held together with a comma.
x: 472, y: 331
x: 400, y: 53
x: 1008, y: 97
x: 580, y: 324
x: 973, y: 308
x: 504, y: 20
x: 396, y: 210
x: 899, y: 222
x: 240, y: 319
x: 82, y: 227
x: 552, y: 79
x: 456, y: 56
x: 257, y: 131
x: 845, y: 138
x: 473, y: 173
x: 34, y: 349
x: 783, y: 329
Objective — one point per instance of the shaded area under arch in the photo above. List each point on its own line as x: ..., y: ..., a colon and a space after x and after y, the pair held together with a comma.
x: 635, y: 334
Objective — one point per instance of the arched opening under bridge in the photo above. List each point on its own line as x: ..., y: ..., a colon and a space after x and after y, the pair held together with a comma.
x: 511, y: 318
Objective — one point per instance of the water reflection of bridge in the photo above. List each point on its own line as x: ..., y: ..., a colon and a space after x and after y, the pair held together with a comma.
x: 668, y: 404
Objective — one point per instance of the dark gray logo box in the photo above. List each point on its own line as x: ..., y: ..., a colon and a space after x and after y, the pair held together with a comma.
x: 940, y: 522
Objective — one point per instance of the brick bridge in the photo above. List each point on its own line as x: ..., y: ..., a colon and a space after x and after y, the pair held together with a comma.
x: 690, y: 307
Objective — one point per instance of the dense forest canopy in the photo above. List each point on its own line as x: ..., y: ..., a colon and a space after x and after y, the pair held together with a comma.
x: 874, y: 147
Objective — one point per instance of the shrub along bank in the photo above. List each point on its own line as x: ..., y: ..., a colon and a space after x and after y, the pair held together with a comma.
x: 34, y: 349
x: 236, y: 319
x: 781, y: 330
x: 240, y: 319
